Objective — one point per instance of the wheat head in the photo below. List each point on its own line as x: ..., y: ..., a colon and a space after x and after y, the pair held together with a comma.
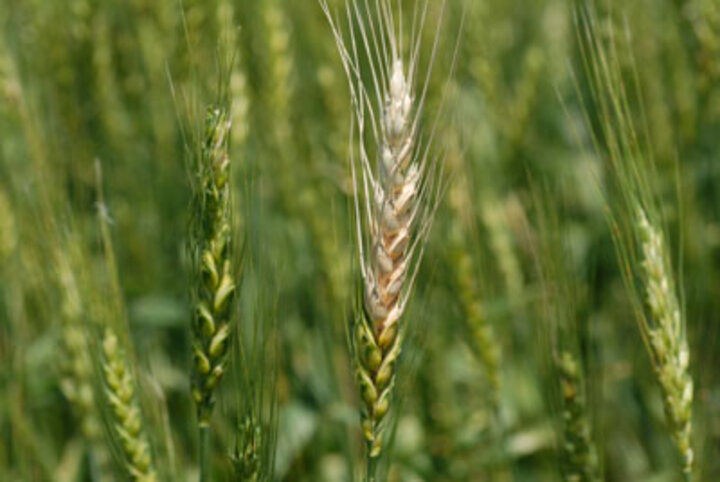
x: 126, y: 416
x: 210, y: 249
x: 394, y: 193
x: 666, y: 340
x: 579, y: 453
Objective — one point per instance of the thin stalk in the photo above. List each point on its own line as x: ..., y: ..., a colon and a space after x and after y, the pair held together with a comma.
x: 204, y: 431
x: 371, y: 468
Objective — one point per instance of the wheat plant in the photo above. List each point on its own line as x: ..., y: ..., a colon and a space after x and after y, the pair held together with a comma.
x: 308, y: 219
x: 636, y: 218
x: 566, y: 334
x: 214, y: 289
x: 395, y: 180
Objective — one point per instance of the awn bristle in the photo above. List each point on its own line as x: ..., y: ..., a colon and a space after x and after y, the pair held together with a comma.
x: 127, y: 419
x: 211, y: 246
x: 666, y: 340
x: 237, y: 83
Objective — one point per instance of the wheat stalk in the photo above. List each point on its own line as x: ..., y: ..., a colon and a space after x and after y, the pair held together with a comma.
x: 393, y: 196
x: 127, y: 419
x: 666, y: 340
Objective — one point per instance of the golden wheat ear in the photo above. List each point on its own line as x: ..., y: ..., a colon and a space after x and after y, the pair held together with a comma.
x: 397, y: 176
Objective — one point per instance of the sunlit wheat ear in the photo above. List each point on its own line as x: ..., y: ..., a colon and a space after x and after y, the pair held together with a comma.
x: 126, y: 416
x: 665, y: 336
x: 396, y: 179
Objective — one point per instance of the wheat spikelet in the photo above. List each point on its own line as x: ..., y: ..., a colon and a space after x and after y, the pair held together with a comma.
x: 666, y: 340
x: 210, y: 250
x: 580, y: 460
x: 127, y: 420
x: 393, y: 214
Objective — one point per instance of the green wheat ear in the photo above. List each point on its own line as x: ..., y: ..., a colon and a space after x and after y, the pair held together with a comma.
x: 247, y: 455
x: 211, y: 245
x: 126, y: 416
x: 579, y: 454
x: 666, y: 340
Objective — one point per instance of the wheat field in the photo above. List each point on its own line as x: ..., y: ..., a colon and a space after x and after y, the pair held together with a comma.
x: 359, y: 240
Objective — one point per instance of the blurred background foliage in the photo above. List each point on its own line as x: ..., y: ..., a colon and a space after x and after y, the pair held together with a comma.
x: 117, y: 83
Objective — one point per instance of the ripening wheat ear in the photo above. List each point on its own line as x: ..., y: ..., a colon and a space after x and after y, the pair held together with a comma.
x: 395, y: 192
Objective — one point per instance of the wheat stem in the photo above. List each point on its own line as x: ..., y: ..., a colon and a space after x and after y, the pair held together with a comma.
x: 205, y: 446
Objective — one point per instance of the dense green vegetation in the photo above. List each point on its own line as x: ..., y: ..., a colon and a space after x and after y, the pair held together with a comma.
x: 180, y: 282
